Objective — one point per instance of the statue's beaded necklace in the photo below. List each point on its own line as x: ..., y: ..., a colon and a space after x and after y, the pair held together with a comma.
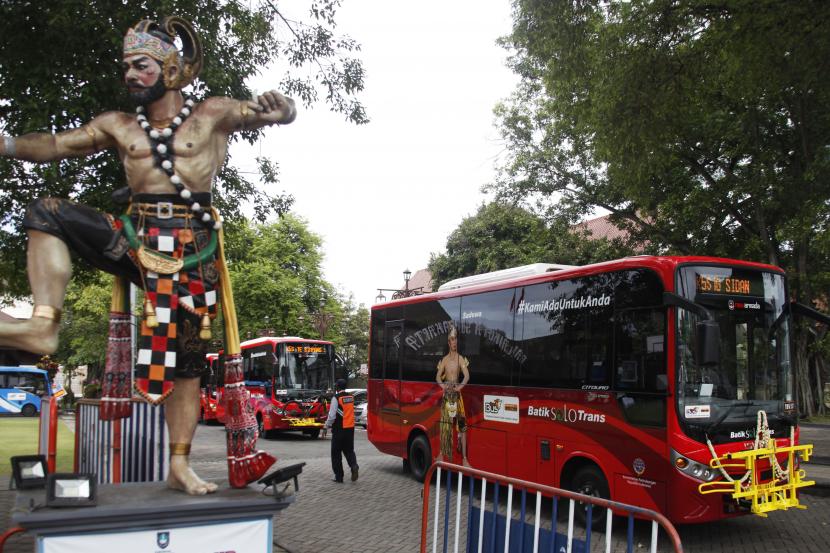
x: 161, y: 142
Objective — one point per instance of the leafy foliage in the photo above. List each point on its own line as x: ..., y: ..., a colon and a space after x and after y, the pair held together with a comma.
x: 353, y: 343
x: 276, y: 275
x: 85, y: 324
x: 500, y: 235
x: 59, y: 67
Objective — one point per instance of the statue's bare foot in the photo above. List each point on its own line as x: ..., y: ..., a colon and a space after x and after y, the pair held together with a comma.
x: 36, y: 335
x: 181, y: 477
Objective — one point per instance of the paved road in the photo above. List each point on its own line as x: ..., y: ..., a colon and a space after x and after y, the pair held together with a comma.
x: 381, y: 511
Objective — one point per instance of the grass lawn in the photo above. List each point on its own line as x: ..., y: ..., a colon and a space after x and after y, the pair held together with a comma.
x: 18, y: 436
x: 816, y: 419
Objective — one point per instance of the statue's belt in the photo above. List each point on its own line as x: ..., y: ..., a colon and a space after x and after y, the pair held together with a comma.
x: 162, y: 263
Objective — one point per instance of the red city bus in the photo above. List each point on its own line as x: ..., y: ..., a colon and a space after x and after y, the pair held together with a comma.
x: 288, y: 378
x: 208, y: 387
x: 608, y: 379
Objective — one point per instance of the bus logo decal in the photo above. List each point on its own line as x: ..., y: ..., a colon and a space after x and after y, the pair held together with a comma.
x: 639, y: 466
x: 501, y: 409
x: 698, y: 411
x: 565, y: 414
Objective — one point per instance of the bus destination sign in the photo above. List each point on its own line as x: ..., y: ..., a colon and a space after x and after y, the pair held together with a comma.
x: 735, y: 285
x: 307, y: 349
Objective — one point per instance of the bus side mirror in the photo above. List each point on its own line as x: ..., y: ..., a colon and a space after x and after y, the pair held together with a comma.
x: 707, y: 346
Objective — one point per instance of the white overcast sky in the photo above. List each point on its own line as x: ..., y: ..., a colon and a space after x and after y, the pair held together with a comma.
x: 386, y: 194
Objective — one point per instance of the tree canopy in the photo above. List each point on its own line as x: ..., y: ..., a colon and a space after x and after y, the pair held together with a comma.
x: 59, y: 67
x: 501, y: 235
x: 702, y: 127
x: 276, y: 275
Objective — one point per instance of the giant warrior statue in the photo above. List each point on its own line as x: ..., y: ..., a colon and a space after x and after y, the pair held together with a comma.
x: 168, y: 243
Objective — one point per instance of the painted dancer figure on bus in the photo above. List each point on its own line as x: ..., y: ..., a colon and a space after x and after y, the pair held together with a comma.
x: 453, y: 418
x: 171, y: 148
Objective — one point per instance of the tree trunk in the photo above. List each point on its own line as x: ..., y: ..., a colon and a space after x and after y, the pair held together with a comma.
x: 819, y: 386
x: 805, y: 393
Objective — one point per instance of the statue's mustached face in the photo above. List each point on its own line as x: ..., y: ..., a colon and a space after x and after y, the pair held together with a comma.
x: 143, y: 96
x: 143, y: 76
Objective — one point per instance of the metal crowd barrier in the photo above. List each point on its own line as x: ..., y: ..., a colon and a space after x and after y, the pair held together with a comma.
x: 124, y: 450
x: 481, y: 528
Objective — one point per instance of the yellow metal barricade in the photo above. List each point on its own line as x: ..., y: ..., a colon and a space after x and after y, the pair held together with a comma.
x: 779, y: 491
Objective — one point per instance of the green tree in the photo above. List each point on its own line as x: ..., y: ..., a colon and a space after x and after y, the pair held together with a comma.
x: 703, y: 128
x: 276, y: 276
x: 501, y: 235
x: 85, y: 325
x: 59, y: 67
x: 353, y: 342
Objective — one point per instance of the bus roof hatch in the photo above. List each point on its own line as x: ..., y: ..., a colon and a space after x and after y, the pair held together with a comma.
x: 503, y: 274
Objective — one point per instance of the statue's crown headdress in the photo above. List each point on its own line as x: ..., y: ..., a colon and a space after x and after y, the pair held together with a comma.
x: 158, y: 42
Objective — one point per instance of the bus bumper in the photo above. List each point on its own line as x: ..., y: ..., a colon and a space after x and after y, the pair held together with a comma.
x: 688, y: 506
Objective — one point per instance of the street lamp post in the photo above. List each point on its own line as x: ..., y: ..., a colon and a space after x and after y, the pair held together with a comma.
x: 400, y: 293
x: 320, y: 320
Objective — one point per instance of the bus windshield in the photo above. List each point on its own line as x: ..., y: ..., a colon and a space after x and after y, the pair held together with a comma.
x: 753, y: 372
x: 305, y: 369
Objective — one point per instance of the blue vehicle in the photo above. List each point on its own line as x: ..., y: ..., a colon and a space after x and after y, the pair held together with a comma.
x: 21, y: 390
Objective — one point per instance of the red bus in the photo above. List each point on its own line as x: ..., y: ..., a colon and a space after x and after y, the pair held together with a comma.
x: 208, y: 387
x: 288, y: 378
x: 606, y: 379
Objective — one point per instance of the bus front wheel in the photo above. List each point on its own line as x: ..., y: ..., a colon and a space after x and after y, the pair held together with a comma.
x: 260, y: 425
x: 589, y: 480
x: 420, y: 457
x: 29, y: 410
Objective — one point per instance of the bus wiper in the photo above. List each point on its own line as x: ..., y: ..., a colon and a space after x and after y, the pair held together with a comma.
x: 726, y: 413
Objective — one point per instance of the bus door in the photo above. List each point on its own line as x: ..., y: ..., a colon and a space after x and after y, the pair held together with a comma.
x: 390, y: 406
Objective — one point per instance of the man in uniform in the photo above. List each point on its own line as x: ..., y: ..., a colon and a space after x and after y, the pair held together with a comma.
x: 341, y: 422
x: 172, y: 149
x: 453, y: 419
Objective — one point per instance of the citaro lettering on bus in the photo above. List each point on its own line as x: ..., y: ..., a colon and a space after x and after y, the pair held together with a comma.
x: 565, y: 414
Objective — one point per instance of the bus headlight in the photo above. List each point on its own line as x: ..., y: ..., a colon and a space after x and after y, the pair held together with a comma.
x: 696, y: 470
x: 278, y: 410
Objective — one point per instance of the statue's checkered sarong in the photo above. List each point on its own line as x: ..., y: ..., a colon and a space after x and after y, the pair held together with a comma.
x: 173, y: 297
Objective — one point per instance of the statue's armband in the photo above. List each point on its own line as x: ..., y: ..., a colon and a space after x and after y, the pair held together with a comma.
x: 93, y: 135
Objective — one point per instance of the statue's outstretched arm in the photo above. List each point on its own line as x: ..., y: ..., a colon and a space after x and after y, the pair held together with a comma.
x: 40, y: 147
x: 243, y: 115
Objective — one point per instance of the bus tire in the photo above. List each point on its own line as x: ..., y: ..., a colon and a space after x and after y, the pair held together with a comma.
x: 420, y: 457
x: 313, y: 433
x: 201, y: 416
x: 260, y: 426
x: 589, y: 480
x: 29, y: 410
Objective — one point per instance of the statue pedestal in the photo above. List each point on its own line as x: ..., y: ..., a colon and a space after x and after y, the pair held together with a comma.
x: 142, y: 517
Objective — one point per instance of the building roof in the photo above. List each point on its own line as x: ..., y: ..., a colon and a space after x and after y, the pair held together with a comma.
x: 602, y: 227
x: 422, y: 278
